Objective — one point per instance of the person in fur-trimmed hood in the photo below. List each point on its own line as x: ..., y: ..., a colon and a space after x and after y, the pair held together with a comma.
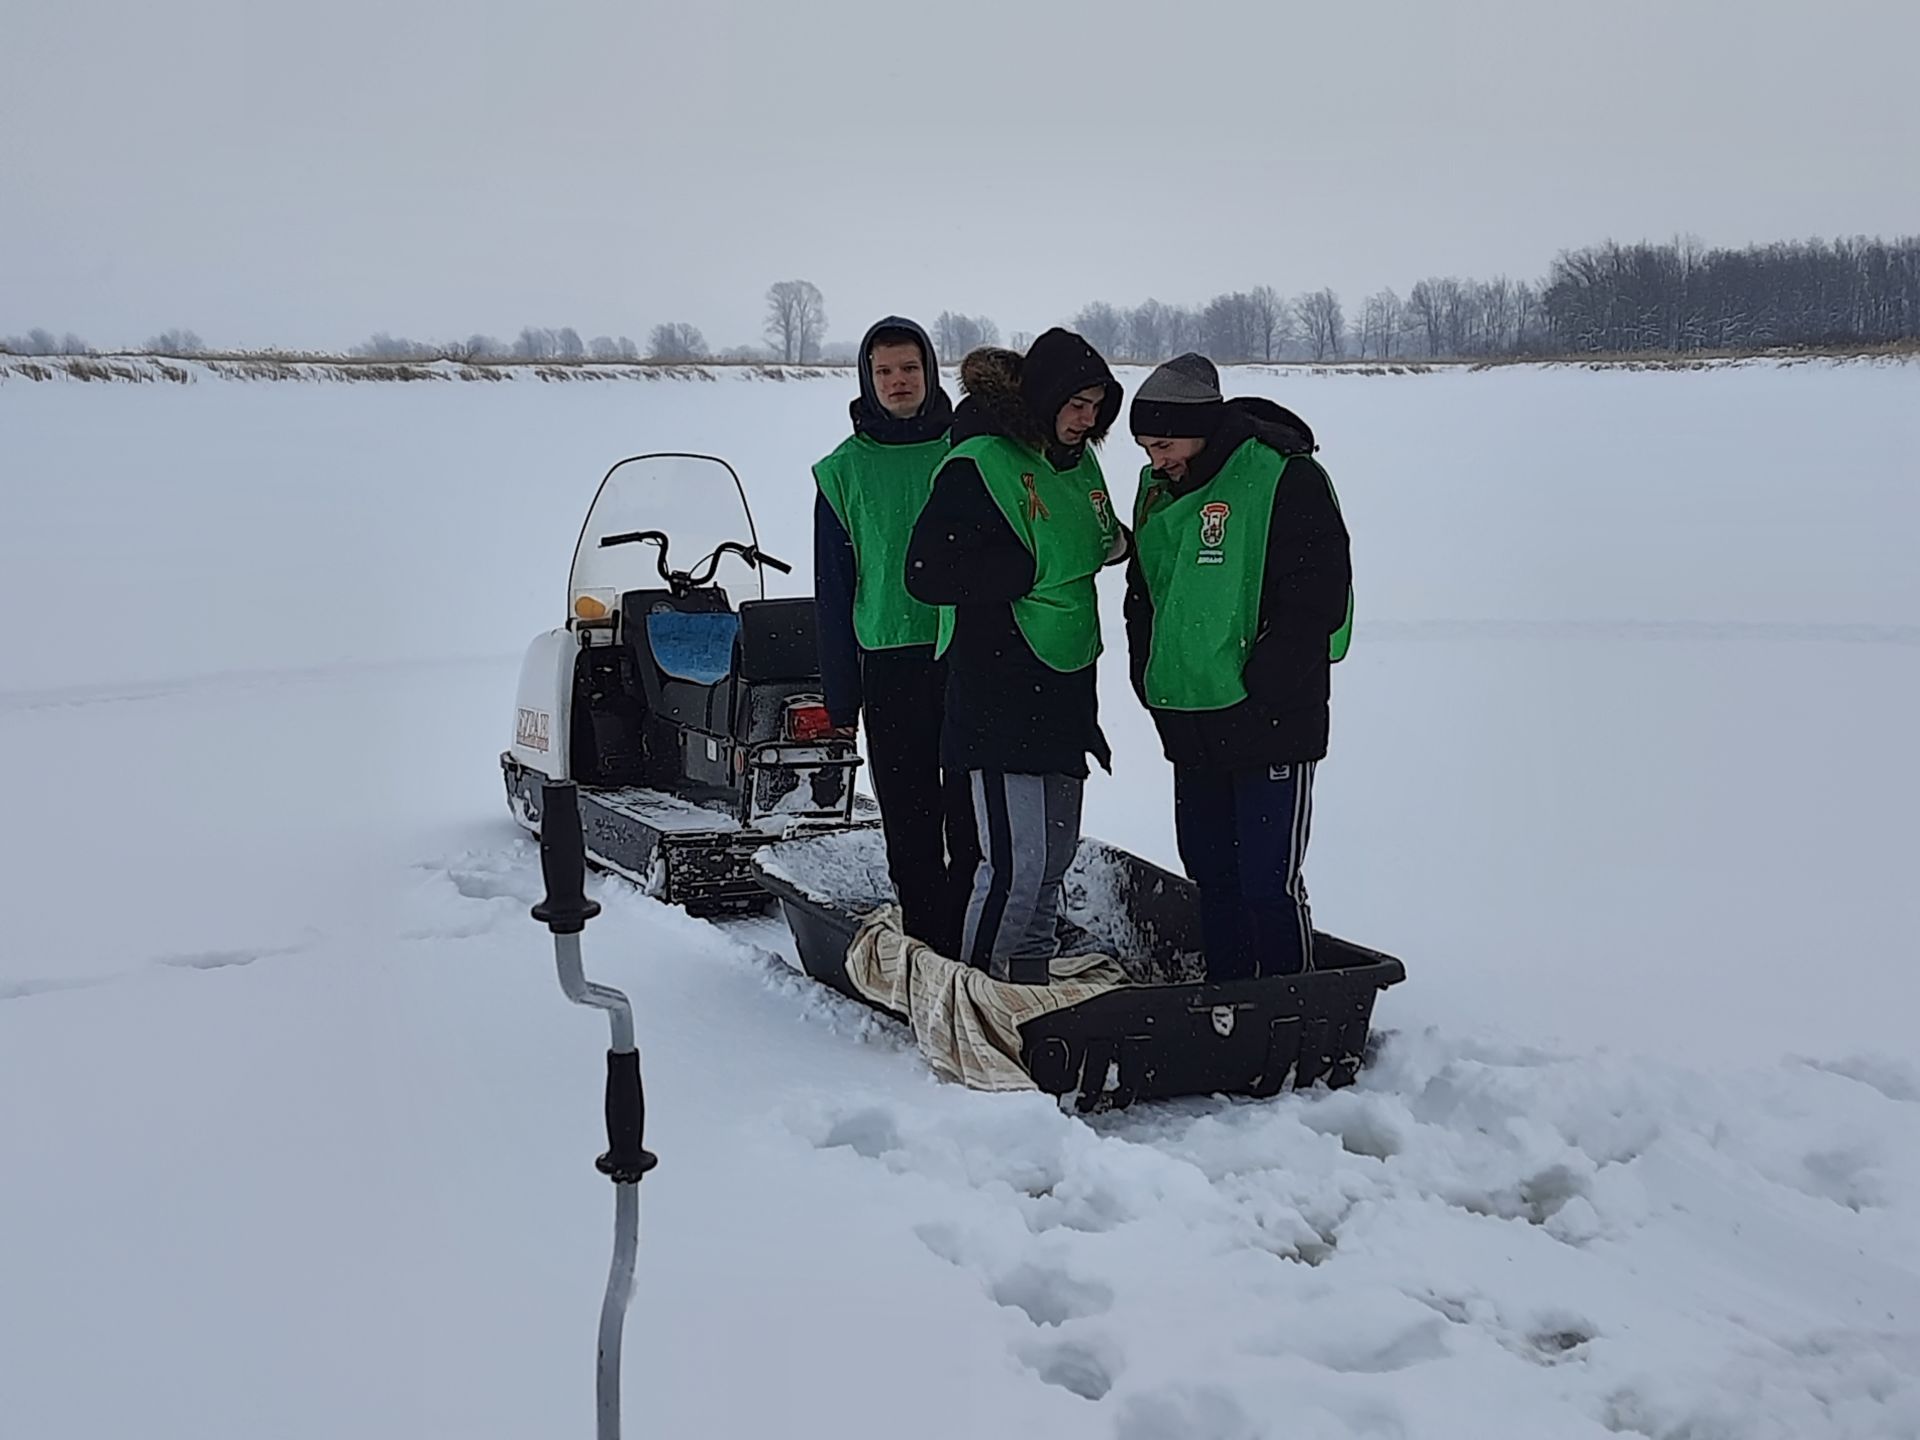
x: 1239, y: 599
x: 1019, y: 524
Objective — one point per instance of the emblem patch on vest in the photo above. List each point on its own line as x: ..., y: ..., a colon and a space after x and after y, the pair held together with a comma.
x: 1213, y: 532
x: 1098, y: 499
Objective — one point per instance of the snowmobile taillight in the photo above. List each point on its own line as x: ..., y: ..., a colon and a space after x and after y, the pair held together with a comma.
x: 593, y: 605
x: 808, y: 722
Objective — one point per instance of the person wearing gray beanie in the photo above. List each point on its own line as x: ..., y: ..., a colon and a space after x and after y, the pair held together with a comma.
x: 1239, y: 600
x: 1181, y: 400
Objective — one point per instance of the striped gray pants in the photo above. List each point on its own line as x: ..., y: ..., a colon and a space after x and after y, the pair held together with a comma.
x: 1029, y: 830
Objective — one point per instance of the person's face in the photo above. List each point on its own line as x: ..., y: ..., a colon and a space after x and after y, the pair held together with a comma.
x: 1078, y: 415
x: 1169, y: 454
x: 900, y: 379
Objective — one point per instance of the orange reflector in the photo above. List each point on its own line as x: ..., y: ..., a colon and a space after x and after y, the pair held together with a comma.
x: 586, y: 607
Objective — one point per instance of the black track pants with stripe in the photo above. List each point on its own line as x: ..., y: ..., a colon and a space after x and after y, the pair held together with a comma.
x: 1243, y: 838
x: 926, y: 813
x: 1029, y: 829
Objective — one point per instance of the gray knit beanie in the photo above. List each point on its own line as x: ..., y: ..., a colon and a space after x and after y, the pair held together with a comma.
x: 1180, y: 399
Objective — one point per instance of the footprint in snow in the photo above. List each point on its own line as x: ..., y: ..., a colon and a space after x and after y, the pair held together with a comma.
x: 869, y: 1133
x: 1048, y: 1296
x: 1082, y: 1367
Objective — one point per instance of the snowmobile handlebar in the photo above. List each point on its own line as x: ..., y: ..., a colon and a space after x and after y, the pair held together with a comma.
x: 703, y: 570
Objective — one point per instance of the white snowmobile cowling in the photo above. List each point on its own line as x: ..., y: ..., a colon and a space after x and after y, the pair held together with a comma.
x: 543, y: 708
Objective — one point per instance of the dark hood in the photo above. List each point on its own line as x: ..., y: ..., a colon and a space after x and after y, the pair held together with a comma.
x: 870, y: 417
x: 1018, y: 396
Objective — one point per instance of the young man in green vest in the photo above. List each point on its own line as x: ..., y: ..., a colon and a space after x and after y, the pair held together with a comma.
x: 876, y: 640
x: 1019, y: 525
x: 1239, y: 597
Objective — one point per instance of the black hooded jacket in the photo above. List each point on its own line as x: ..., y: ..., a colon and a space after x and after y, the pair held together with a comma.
x: 1006, y: 708
x: 835, y: 571
x: 1303, y: 600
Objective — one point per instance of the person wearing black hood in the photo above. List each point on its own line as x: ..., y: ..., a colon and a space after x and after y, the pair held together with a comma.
x: 1019, y: 525
x: 876, y: 641
x: 1239, y: 599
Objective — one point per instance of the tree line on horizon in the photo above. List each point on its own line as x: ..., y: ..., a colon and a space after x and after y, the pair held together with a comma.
x: 1676, y: 297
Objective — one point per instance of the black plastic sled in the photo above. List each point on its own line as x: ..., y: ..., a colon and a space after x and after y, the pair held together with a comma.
x: 1167, y: 1034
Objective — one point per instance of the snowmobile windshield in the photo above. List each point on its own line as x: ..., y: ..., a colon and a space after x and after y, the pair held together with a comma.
x: 675, y: 512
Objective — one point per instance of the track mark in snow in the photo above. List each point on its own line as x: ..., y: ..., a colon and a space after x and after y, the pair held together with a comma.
x: 870, y: 1133
x: 1416, y: 1344
x: 1847, y: 1175
x: 1362, y: 1123
x: 219, y: 959
x: 1049, y: 1296
x: 1892, y: 1078
x: 1187, y: 1412
x: 185, y: 960
x: 943, y: 1240
x: 1083, y: 1367
x: 24, y: 989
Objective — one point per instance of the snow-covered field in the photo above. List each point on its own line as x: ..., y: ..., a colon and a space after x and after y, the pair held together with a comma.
x: 296, y: 1128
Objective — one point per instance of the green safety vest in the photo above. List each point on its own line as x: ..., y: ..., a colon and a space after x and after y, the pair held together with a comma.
x: 878, y: 491
x: 1204, y: 557
x: 1065, y: 519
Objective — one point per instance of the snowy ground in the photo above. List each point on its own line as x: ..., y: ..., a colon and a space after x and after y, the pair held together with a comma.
x: 296, y: 1128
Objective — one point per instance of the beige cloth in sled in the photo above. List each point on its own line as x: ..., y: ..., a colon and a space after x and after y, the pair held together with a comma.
x: 966, y: 1023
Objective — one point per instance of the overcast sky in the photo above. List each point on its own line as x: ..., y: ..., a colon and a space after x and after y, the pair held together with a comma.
x: 304, y: 174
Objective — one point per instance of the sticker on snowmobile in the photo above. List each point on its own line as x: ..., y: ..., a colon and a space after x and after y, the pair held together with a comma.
x: 532, y: 728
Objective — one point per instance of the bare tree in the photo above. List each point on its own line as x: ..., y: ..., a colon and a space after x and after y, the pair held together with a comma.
x: 1183, y: 329
x: 382, y: 346
x: 535, y: 344
x: 954, y: 335
x: 1102, y: 327
x: 176, y: 342
x: 796, y: 320
x: 571, y: 346
x: 603, y: 347
x: 1233, y: 330
x: 1321, y: 322
x: 1381, y: 319
x: 1423, y: 314
x: 1269, y: 320
x: 38, y: 341
x: 678, y: 342
x: 1022, y: 341
x: 1147, y: 333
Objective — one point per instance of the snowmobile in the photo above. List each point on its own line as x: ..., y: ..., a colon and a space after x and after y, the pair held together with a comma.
x: 694, y: 728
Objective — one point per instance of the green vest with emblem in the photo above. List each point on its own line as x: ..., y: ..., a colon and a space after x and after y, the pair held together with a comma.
x: 878, y: 491
x: 1204, y: 556
x: 1065, y: 519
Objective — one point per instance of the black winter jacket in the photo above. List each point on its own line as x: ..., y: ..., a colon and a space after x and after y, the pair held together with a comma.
x: 1006, y: 708
x: 1303, y: 600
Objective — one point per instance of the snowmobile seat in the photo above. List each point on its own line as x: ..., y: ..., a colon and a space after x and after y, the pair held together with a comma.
x: 778, y: 641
